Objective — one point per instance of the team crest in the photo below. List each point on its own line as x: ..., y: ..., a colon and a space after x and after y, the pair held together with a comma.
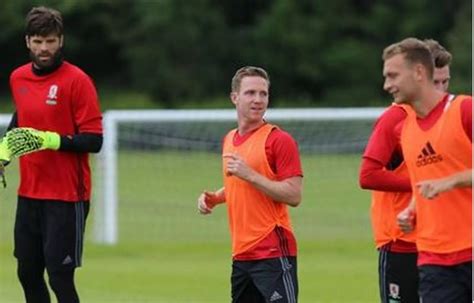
x: 394, y: 296
x: 52, y: 98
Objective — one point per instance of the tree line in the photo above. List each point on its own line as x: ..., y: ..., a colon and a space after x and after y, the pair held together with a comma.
x: 318, y: 53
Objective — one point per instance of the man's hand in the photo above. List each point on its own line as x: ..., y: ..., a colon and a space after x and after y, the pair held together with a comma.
x: 5, y: 156
x: 207, y: 200
x: 286, y: 191
x: 5, y: 153
x: 25, y: 140
x: 236, y: 166
x: 406, y: 219
x: 2, y: 175
x: 430, y: 189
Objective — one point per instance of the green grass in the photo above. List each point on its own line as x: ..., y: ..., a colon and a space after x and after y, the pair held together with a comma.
x: 168, y: 253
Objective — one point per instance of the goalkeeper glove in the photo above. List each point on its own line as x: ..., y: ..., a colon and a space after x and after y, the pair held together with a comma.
x: 5, y: 155
x: 25, y: 140
x: 5, y: 152
x: 2, y: 174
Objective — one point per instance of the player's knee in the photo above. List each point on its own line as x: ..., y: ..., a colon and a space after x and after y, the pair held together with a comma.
x: 62, y: 283
x: 30, y: 273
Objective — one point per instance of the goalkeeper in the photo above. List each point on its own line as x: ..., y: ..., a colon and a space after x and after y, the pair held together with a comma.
x: 56, y: 125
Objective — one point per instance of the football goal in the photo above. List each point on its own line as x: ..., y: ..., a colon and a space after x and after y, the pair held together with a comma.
x: 154, y: 164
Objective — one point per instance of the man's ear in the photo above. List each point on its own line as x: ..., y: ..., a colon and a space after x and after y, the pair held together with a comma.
x: 61, y: 41
x: 233, y: 97
x: 27, y: 41
x: 420, y: 72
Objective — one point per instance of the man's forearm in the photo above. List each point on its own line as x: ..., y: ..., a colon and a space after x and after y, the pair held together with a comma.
x: 82, y: 143
x: 220, y: 195
x: 373, y: 176
x: 430, y: 189
x: 287, y: 191
x: 463, y: 179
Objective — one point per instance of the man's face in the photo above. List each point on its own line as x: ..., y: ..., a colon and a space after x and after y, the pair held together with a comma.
x: 441, y: 78
x: 251, y: 101
x: 400, y: 79
x: 44, y: 49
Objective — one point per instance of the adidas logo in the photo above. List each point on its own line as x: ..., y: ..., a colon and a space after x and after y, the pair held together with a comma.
x: 275, y: 296
x: 428, y: 156
x: 67, y: 260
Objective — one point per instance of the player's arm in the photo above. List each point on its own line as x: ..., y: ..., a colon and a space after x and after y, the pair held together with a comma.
x: 374, y: 176
x: 287, y: 191
x: 82, y: 143
x: 382, y: 155
x: 466, y: 116
x: 5, y: 153
x: 24, y: 140
x: 208, y: 200
x: 87, y: 118
x: 5, y: 156
x: 430, y: 189
x: 283, y: 157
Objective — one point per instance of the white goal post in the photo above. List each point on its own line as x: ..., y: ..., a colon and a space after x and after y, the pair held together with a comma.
x: 105, y: 185
x: 5, y: 120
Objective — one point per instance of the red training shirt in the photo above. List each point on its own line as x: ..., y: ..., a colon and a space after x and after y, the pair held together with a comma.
x: 64, y: 101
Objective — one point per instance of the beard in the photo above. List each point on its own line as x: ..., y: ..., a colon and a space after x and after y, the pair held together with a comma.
x: 50, y: 63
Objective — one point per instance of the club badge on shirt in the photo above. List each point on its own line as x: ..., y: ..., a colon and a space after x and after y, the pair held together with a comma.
x: 52, y: 98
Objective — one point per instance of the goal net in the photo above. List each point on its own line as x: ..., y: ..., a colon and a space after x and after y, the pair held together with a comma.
x: 155, y: 163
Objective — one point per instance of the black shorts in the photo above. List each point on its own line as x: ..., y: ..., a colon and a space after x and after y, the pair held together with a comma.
x: 50, y: 232
x: 398, y: 277
x: 268, y: 280
x: 446, y: 284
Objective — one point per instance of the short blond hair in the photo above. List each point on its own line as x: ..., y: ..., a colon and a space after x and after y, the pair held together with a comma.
x: 414, y: 51
x: 248, y: 71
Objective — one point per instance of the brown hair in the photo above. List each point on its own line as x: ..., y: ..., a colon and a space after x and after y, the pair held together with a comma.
x: 43, y: 21
x: 248, y: 71
x: 414, y: 51
x: 440, y: 55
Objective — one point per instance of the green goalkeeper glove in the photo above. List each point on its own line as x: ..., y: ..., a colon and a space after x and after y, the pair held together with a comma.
x: 5, y: 155
x: 25, y: 140
x: 2, y: 174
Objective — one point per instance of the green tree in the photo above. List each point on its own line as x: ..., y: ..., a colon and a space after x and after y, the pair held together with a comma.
x: 12, y: 41
x: 177, y: 50
x: 323, y: 53
x: 460, y: 45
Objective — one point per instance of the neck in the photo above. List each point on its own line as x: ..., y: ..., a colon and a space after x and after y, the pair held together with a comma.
x: 427, y: 100
x: 245, y: 128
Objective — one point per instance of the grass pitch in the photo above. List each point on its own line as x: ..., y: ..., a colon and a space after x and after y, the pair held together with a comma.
x: 168, y: 253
